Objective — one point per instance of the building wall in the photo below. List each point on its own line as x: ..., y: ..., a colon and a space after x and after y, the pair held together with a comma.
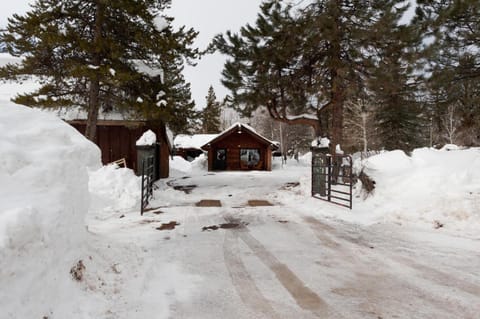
x: 233, y: 143
x: 118, y: 141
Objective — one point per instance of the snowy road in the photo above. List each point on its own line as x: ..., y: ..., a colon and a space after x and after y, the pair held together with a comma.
x: 281, y: 261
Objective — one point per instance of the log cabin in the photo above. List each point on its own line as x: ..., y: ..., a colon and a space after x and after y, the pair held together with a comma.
x: 239, y: 148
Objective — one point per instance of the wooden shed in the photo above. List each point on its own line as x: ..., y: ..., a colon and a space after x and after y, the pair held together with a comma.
x: 239, y: 148
x: 116, y: 139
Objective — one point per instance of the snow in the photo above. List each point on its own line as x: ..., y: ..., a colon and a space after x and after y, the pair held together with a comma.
x: 55, y: 197
x: 239, y: 126
x: 301, y: 257
x: 321, y: 142
x: 178, y: 163
x: 431, y: 185
x: 450, y: 147
x: 160, y: 23
x: 193, y: 141
x: 169, y: 137
x: 44, y: 191
x: 147, y: 69
x: 303, y: 116
x: 147, y: 138
x: 115, y: 189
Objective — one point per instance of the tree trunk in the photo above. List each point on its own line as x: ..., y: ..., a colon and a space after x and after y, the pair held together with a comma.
x: 338, y: 90
x: 94, y: 90
x: 364, y: 132
x: 93, y: 107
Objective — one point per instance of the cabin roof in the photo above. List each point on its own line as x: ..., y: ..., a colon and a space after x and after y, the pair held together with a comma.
x: 240, y: 128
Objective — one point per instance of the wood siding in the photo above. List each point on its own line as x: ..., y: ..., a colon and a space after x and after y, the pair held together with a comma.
x: 233, y: 143
x: 118, y: 141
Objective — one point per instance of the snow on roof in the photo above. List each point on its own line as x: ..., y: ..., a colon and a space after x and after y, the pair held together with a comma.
x: 148, y: 138
x: 193, y: 141
x: 239, y: 126
x: 78, y: 113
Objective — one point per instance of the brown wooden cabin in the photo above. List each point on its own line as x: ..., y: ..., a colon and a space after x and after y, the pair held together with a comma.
x: 239, y: 148
x: 117, y: 138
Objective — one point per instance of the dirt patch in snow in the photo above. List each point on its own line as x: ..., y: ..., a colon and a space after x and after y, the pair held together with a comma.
x: 224, y: 226
x: 147, y: 221
x: 153, y: 210
x: 77, y: 271
x: 209, y: 203
x: 187, y: 189
x: 259, y: 202
x: 168, y: 226
x: 290, y: 185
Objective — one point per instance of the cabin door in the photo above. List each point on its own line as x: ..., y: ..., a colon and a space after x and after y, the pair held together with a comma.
x: 220, y: 161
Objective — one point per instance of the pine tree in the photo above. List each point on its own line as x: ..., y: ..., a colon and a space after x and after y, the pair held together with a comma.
x: 182, y: 116
x: 453, y: 65
x: 398, y: 119
x: 305, y: 64
x: 211, y: 114
x: 94, y: 54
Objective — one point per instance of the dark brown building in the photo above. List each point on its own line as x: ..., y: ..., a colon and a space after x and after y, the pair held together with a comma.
x: 239, y: 148
x: 117, y: 138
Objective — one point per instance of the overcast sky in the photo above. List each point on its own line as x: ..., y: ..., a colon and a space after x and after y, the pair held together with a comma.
x: 209, y: 17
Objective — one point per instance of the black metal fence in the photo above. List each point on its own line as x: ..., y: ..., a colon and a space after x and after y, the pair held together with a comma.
x: 332, y: 179
x: 148, y: 172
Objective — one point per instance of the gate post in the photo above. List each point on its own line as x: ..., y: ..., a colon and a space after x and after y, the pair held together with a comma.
x: 329, y: 165
x: 319, y: 173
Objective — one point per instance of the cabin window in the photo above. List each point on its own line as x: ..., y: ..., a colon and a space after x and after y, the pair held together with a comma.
x: 249, y: 157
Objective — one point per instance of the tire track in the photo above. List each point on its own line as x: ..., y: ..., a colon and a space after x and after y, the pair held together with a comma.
x: 304, y: 297
x: 358, y: 252
x: 241, y: 279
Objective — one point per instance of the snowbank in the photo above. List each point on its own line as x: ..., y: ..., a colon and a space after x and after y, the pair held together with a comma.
x: 178, y: 165
x: 430, y: 186
x: 114, y: 190
x: 44, y: 191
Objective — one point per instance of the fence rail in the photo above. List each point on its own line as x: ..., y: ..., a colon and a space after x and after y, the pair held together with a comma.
x: 147, y: 182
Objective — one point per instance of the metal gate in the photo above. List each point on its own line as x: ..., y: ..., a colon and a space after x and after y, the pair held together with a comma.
x: 332, y: 178
x: 148, y: 170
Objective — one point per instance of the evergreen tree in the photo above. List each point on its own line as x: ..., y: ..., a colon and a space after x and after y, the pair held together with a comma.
x: 181, y: 115
x: 304, y: 64
x: 453, y: 65
x: 95, y: 54
x: 211, y: 114
x: 398, y: 119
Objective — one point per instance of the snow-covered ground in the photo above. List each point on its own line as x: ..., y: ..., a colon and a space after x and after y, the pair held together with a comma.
x: 297, y: 257
x: 300, y: 257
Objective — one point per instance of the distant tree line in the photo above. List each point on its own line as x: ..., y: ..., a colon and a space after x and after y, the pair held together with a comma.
x: 356, y: 72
